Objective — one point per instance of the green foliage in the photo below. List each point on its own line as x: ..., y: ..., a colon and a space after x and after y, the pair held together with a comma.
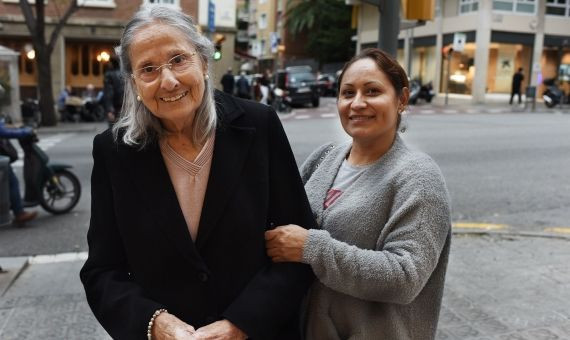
x: 327, y: 24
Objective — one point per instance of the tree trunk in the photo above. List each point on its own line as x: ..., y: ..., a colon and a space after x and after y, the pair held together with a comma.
x: 46, y: 102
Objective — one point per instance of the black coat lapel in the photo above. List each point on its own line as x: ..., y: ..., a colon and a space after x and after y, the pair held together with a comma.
x: 230, y: 152
x: 153, y: 181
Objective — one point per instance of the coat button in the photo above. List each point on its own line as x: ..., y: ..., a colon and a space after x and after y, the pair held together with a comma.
x: 203, y: 277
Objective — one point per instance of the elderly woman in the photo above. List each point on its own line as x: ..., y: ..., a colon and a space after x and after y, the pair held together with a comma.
x: 381, y: 255
x: 183, y: 189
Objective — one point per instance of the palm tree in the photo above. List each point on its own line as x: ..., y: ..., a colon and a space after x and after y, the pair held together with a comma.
x: 328, y: 27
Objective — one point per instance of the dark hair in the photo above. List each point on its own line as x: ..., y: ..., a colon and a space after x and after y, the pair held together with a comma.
x: 385, y: 63
x: 395, y: 73
x: 115, y: 62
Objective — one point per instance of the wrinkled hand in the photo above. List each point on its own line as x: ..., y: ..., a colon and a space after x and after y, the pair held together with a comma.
x: 220, y: 330
x: 285, y: 243
x: 168, y: 327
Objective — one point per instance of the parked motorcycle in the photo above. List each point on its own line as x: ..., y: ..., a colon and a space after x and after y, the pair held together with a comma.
x: 418, y: 91
x: 552, y: 95
x: 51, y: 185
x: 280, y: 102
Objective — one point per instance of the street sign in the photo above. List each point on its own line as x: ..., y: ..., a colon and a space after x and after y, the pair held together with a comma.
x: 459, y: 41
x: 211, y: 16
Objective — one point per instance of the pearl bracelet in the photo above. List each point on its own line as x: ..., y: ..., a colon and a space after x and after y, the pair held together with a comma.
x: 151, y: 322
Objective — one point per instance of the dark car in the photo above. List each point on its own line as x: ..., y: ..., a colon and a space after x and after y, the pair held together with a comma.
x: 327, y: 84
x: 300, y: 85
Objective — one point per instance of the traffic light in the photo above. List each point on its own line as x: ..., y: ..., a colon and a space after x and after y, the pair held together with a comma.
x: 418, y: 9
x: 218, y: 40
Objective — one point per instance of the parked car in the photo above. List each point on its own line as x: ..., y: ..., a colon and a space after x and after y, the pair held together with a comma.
x: 327, y: 84
x: 299, y: 84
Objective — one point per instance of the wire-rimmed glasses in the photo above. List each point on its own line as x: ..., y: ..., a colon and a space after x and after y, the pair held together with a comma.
x: 177, y: 64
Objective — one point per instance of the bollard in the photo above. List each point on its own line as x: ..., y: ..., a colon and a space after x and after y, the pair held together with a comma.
x: 5, y: 217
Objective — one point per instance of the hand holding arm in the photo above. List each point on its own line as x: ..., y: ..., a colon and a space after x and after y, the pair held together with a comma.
x: 285, y: 243
x: 220, y: 330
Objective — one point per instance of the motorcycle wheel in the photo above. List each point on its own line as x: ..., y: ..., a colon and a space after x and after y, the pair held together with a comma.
x: 549, y: 101
x: 60, y: 193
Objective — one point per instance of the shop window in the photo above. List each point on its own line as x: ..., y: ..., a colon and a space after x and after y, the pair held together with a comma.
x: 86, y: 63
x: 97, y: 3
x: 74, y: 58
x: 461, y: 71
x: 517, y: 6
x: 468, y: 6
x: 558, y: 7
x: 173, y: 3
x: 504, y: 61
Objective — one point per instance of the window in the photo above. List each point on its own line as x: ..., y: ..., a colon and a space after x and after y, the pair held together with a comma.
x: 558, y: 7
x: 97, y: 3
x: 173, y: 3
x: 518, y: 6
x: 467, y: 6
x: 263, y: 21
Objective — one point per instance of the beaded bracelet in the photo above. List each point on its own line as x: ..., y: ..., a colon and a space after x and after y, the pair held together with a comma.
x: 151, y: 322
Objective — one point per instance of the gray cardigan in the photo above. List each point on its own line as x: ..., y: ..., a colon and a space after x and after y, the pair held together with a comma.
x: 381, y: 255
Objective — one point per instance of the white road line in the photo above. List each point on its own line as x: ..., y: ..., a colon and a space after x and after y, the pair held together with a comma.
x: 328, y: 115
x: 427, y: 112
x: 44, y: 143
x: 302, y: 117
x: 449, y: 111
x: 63, y: 257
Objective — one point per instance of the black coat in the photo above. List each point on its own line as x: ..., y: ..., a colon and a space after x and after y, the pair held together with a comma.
x: 141, y: 256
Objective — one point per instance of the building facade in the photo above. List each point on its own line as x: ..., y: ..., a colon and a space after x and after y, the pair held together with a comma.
x: 91, y: 34
x: 499, y: 37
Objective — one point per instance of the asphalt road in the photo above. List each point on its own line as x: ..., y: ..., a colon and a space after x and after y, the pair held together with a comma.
x: 509, y: 170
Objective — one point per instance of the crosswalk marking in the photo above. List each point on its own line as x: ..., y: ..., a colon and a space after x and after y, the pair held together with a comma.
x: 45, y: 144
x: 328, y: 115
x: 302, y: 117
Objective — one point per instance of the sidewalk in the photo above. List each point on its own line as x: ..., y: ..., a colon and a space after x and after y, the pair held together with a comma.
x: 499, y: 287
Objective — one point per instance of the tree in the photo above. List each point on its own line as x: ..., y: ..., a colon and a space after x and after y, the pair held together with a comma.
x: 43, y: 49
x: 328, y: 27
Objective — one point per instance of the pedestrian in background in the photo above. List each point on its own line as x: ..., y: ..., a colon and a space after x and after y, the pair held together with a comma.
x: 113, y: 90
x: 184, y: 187
x: 518, y: 78
x: 381, y: 254
x: 243, y: 87
x: 228, y: 82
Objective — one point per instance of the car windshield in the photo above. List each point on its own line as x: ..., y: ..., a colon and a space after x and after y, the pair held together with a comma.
x: 300, y: 77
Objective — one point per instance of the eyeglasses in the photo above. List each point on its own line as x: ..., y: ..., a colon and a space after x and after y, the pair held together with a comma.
x: 177, y: 64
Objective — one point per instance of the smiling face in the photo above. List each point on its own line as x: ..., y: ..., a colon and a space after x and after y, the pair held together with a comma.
x: 368, y: 104
x: 173, y: 96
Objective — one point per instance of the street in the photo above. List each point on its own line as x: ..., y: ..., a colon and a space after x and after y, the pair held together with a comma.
x: 505, y: 171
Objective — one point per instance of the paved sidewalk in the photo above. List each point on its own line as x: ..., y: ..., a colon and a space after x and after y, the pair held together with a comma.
x: 499, y: 287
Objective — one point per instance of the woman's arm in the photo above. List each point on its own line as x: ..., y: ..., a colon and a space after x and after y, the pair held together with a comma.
x: 399, y: 268
x: 272, y: 298
x: 116, y: 301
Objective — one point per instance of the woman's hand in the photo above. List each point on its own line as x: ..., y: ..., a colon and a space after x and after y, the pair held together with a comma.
x: 168, y: 327
x: 285, y: 243
x: 219, y: 330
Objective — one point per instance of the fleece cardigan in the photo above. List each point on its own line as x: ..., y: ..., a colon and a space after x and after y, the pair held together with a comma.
x: 381, y: 255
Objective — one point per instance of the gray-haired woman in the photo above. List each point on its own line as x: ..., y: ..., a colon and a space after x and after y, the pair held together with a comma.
x: 183, y: 189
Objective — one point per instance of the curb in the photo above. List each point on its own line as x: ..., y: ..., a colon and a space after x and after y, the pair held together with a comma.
x: 513, y: 233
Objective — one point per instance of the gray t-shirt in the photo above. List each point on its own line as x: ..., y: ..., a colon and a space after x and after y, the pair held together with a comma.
x: 345, y: 178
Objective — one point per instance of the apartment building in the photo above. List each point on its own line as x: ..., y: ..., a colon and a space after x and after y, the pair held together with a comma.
x: 90, y: 35
x: 500, y: 36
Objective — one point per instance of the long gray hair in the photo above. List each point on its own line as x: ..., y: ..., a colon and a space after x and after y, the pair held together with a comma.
x: 139, y: 124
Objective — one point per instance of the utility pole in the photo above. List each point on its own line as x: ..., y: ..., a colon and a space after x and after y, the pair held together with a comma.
x: 389, y: 25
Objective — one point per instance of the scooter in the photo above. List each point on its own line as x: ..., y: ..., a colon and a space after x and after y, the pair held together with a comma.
x: 418, y: 91
x: 552, y: 96
x: 51, y: 185
x: 280, y: 102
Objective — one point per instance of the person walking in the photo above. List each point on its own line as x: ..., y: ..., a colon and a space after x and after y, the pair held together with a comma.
x: 113, y: 90
x: 381, y: 254
x: 228, y: 82
x: 518, y: 77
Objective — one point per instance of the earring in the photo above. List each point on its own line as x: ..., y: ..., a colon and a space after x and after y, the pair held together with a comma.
x: 138, y: 98
x: 206, y: 77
